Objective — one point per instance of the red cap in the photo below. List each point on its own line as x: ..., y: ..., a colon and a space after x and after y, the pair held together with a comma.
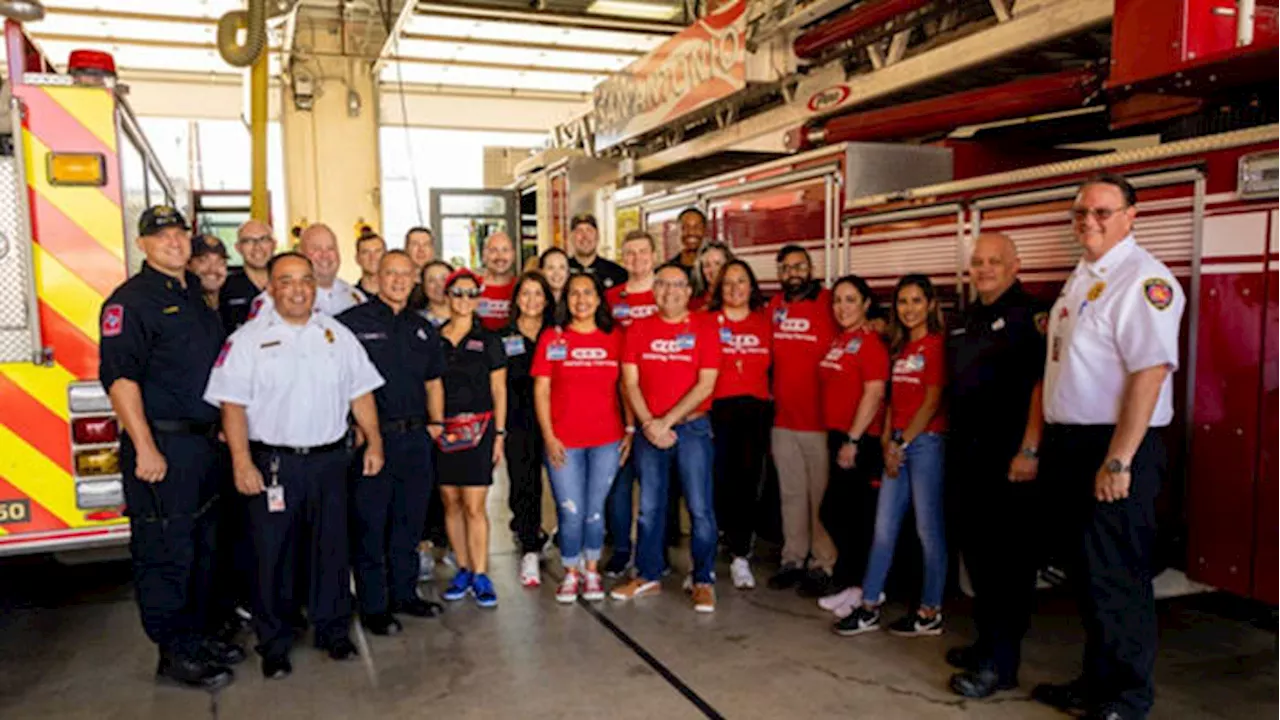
x: 460, y: 273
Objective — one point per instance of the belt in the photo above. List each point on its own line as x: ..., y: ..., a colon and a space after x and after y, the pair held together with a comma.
x: 288, y: 450
x: 185, y: 427
x: 404, y: 425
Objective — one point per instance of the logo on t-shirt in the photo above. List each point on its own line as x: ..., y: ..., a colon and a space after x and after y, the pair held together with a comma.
x: 589, y: 354
x: 743, y: 342
x: 909, y: 364
x: 854, y: 346
x: 794, y: 325
x: 640, y: 312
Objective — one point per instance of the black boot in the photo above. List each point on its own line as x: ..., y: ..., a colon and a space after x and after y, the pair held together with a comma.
x: 978, y: 684
x: 382, y: 624
x: 418, y: 607
x: 188, y: 672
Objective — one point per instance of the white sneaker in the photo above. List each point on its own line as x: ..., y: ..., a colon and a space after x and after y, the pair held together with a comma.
x: 592, y: 587
x: 426, y: 564
x: 569, y: 586
x: 530, y: 574
x: 687, y: 585
x: 845, y: 598
x: 740, y: 571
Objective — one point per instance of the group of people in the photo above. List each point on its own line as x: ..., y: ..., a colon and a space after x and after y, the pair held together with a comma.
x: 331, y: 401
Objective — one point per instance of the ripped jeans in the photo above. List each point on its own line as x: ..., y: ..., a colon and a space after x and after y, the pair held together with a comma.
x: 581, y: 486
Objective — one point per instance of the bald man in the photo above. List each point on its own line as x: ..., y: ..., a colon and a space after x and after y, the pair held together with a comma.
x: 499, y: 256
x: 256, y: 244
x: 997, y: 364
x: 333, y: 294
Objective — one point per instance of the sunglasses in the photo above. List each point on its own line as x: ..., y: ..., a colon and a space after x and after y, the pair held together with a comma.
x: 464, y: 292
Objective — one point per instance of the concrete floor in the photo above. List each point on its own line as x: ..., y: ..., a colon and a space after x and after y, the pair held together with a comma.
x: 71, y: 647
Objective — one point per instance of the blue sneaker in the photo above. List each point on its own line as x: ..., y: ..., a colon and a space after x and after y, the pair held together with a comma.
x: 460, y: 585
x: 482, y: 587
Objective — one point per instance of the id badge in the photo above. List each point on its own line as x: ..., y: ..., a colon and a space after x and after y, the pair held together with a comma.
x: 621, y: 310
x: 557, y: 352
x: 275, y: 498
x: 726, y: 336
x: 514, y: 345
x: 684, y: 341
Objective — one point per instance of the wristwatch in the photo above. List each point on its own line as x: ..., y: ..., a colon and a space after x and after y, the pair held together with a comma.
x: 852, y: 439
x: 1116, y: 465
x: 500, y: 432
x: 630, y: 429
x: 1031, y: 452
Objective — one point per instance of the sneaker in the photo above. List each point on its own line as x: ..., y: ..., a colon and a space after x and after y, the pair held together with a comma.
x: 845, y: 599
x: 816, y: 583
x: 787, y: 577
x: 569, y: 586
x: 740, y: 571
x: 634, y: 588
x: 460, y: 586
x: 530, y: 573
x: 482, y: 587
x: 426, y: 564
x: 593, y: 587
x: 687, y: 584
x: 862, y: 619
x: 617, y: 566
x: 704, y: 598
x: 917, y: 625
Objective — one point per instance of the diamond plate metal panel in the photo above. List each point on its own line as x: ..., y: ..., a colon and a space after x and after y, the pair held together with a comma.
x: 16, y: 305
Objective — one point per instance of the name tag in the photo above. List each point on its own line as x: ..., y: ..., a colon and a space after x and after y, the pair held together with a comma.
x: 621, y: 310
x: 557, y: 351
x: 238, y: 301
x: 275, y: 498
x: 171, y: 310
x: 372, y: 336
x: 268, y: 344
x: 854, y: 346
x: 474, y: 345
x: 998, y: 324
x: 726, y: 336
x: 684, y: 341
x: 514, y: 345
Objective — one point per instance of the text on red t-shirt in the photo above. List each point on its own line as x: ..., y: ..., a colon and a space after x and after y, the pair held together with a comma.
x: 745, y: 354
x: 669, y: 357
x: 802, y: 332
x: 918, y: 366
x: 584, y: 370
x: 627, y: 307
x: 855, y: 358
x: 494, y: 307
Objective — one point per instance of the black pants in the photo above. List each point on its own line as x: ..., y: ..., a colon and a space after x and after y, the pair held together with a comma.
x: 173, y: 527
x: 848, y: 509
x: 1114, y: 544
x: 524, y: 453
x: 741, y: 429
x: 387, y: 513
x: 233, y: 561
x: 310, y: 531
x: 998, y: 526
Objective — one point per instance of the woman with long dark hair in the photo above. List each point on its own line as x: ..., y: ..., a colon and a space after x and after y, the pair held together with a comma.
x: 851, y: 381
x: 435, y: 305
x: 532, y: 315
x: 554, y: 266
x: 913, y: 446
x: 741, y: 410
x: 712, y: 259
x: 577, y: 370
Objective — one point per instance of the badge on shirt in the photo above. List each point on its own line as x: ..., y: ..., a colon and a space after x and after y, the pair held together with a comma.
x: 1158, y: 292
x: 915, y: 363
x: 1041, y: 320
x: 112, y: 320
x: 998, y: 324
x: 474, y: 345
x: 328, y: 335
x: 557, y: 351
x: 621, y: 310
x: 726, y: 336
x: 514, y: 345
x: 684, y: 341
x: 222, y: 354
x: 237, y: 301
x: 255, y: 307
x: 779, y: 315
x: 422, y: 334
x: 275, y: 498
x: 1095, y: 292
x: 853, y: 347
x: 171, y: 310
x: 372, y: 336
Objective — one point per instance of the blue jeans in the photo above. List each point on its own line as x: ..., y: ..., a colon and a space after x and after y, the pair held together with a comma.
x: 580, y: 487
x: 919, y: 484
x: 618, y: 507
x: 692, y: 455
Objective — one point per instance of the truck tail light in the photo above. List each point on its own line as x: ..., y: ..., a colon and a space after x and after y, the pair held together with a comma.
x: 94, y: 463
x: 94, y: 430
x: 103, y: 496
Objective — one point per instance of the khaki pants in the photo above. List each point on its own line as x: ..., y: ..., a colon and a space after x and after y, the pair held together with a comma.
x: 801, y: 458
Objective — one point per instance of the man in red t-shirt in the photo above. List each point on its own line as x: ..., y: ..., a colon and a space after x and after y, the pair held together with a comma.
x: 669, y: 370
x: 802, y: 333
x: 499, y: 255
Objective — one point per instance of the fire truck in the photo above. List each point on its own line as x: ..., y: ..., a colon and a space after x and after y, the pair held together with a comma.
x: 1186, y: 106
x: 75, y: 173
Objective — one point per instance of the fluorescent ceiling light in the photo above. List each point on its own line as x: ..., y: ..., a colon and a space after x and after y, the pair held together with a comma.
x: 634, y: 9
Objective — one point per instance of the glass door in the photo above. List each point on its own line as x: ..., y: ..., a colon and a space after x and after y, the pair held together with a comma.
x: 464, y: 218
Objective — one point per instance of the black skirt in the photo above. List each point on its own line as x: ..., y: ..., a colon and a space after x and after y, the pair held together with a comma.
x: 467, y: 468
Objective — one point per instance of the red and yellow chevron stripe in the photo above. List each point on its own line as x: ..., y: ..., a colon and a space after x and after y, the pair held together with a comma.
x: 79, y: 257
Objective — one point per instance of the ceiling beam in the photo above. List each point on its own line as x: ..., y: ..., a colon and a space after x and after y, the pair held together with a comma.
x: 496, y: 66
x: 393, y: 35
x: 125, y: 15
x: 522, y: 45
x: 556, y: 19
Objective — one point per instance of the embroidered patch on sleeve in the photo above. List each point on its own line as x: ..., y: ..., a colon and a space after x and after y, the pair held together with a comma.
x: 1158, y: 292
x: 112, y: 320
x: 222, y: 354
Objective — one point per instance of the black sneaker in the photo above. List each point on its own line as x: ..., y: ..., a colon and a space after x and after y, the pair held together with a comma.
x: 979, y: 684
x: 193, y: 673
x: 1069, y: 697
x: 382, y: 624
x: 340, y: 649
x: 276, y: 667
x: 418, y: 607
x: 815, y: 584
x: 617, y: 565
x: 787, y: 577
x: 917, y: 625
x: 862, y: 619
x: 217, y: 652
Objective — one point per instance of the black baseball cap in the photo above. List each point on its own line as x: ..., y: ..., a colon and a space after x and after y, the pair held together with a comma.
x: 580, y: 218
x: 206, y: 244
x: 158, y: 217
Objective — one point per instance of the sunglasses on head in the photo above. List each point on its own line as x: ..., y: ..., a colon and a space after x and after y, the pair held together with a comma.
x: 464, y: 292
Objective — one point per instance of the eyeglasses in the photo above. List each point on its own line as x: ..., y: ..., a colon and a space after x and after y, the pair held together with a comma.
x: 1080, y: 214
x: 458, y: 292
x: 259, y: 240
x: 794, y: 267
x: 673, y: 284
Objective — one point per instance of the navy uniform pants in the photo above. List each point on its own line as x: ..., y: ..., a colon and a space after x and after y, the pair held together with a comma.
x: 172, y: 541
x: 1113, y: 547
x: 387, y: 514
x: 999, y: 531
x: 311, y: 532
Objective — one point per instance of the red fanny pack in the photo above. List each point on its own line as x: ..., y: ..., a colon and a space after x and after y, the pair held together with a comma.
x: 463, y: 432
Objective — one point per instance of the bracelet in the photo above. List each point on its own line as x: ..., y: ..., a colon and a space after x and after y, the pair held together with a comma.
x: 500, y: 432
x: 435, y: 423
x: 630, y: 429
x: 850, y: 439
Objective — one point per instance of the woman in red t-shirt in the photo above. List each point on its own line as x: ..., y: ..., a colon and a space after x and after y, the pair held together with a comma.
x: 913, y: 457
x: 741, y: 409
x: 576, y: 370
x: 851, y: 381
x: 712, y: 259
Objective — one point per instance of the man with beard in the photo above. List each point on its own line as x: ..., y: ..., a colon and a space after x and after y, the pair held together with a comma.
x: 209, y: 263
x: 584, y: 238
x: 499, y: 255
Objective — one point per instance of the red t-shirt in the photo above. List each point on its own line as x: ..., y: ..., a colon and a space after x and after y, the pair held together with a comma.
x: 629, y: 307
x: 745, y: 355
x: 919, y: 365
x: 494, y: 308
x: 670, y: 356
x: 584, y: 370
x: 856, y: 357
x: 699, y: 302
x: 802, y: 333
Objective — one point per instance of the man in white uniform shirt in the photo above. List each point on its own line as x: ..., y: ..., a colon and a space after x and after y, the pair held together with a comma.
x: 332, y: 294
x: 285, y: 383
x: 1112, y: 352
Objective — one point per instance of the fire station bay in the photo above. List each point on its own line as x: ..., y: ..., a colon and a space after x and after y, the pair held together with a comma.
x: 885, y: 359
